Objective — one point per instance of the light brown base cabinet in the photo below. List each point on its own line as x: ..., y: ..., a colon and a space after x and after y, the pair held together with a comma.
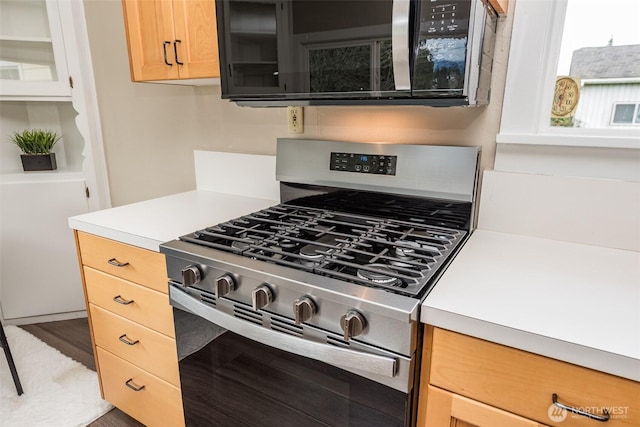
x: 469, y: 382
x: 131, y: 323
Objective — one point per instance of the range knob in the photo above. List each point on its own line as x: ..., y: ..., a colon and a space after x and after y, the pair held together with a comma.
x: 352, y: 323
x: 261, y: 297
x: 303, y: 309
x: 191, y: 275
x: 224, y: 285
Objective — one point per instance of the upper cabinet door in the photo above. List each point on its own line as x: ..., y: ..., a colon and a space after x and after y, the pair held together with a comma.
x: 171, y: 39
x: 32, y: 55
x: 150, y: 35
x: 196, y: 38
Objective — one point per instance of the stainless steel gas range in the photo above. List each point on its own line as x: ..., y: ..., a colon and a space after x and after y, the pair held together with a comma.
x: 306, y: 313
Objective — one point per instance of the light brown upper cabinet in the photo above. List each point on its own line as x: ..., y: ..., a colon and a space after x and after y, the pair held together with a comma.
x: 171, y: 39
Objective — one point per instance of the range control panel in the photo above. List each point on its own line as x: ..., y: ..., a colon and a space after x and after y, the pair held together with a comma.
x: 363, y: 163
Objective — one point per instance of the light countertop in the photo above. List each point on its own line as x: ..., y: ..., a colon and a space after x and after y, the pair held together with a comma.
x: 569, y: 301
x: 149, y: 223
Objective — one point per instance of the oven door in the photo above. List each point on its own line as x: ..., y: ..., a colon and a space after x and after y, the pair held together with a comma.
x: 236, y: 373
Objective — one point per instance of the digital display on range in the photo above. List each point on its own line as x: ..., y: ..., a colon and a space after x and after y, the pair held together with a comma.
x: 363, y: 163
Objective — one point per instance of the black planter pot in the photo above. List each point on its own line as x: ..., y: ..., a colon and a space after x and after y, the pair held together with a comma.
x: 39, y: 162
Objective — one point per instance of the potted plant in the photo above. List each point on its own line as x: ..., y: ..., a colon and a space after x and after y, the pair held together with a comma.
x: 36, y: 146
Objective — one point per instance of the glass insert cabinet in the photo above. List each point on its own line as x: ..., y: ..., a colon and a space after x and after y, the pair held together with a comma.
x: 32, y: 58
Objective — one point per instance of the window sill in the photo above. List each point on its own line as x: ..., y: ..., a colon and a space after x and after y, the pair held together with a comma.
x: 605, y: 138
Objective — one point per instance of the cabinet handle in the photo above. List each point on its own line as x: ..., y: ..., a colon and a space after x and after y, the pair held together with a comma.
x: 125, y: 339
x: 602, y: 418
x: 164, y: 50
x: 122, y: 301
x: 175, y: 51
x: 129, y: 383
x: 117, y: 263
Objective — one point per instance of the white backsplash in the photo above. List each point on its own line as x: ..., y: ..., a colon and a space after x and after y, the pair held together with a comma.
x: 250, y: 175
x: 581, y: 210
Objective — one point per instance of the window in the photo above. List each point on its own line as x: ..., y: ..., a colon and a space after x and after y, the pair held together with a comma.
x: 626, y: 114
x: 537, y: 48
x: 600, y: 50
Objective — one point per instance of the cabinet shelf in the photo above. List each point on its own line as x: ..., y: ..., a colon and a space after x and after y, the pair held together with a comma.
x: 43, y: 176
x: 9, y: 39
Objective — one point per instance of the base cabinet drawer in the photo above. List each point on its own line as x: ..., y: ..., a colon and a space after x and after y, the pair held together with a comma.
x: 524, y: 383
x: 127, y: 299
x: 141, y: 346
x: 125, y: 261
x: 145, y: 397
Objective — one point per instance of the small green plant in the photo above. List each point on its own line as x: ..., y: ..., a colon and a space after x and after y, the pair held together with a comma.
x: 36, y: 141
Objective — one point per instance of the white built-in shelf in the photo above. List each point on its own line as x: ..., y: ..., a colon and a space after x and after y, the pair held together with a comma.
x: 40, y: 176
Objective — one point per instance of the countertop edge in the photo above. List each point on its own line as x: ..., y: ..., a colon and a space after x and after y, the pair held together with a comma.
x: 117, y: 235
x: 615, y: 364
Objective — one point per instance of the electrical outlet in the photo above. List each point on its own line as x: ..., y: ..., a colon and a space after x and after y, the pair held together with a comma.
x: 295, y: 118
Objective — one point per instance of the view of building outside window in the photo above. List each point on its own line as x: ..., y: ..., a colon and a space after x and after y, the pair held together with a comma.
x: 598, y: 84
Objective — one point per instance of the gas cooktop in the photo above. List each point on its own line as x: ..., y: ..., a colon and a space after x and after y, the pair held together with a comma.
x: 393, y: 243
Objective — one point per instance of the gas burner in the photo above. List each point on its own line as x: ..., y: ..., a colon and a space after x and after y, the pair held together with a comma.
x: 240, y: 245
x: 383, y: 275
x: 287, y: 244
x: 408, y: 248
x: 405, y: 254
x: 310, y: 252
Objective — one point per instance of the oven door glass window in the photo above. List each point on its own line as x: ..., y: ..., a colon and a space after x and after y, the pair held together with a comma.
x: 234, y: 381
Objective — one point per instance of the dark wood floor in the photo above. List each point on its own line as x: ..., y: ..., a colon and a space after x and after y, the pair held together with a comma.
x: 71, y: 338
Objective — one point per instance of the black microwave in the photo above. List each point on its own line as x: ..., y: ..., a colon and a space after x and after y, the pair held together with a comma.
x: 342, y: 52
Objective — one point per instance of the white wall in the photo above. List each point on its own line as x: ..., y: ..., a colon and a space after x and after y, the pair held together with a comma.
x: 151, y: 130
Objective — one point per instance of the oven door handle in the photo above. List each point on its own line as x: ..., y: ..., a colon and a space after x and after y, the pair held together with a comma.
x: 341, y: 357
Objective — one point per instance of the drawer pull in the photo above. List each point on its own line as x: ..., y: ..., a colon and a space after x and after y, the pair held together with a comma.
x: 132, y: 386
x: 117, y: 263
x: 603, y: 418
x: 120, y: 300
x: 125, y: 339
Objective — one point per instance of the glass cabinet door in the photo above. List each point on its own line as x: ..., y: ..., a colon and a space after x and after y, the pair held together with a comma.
x: 32, y: 61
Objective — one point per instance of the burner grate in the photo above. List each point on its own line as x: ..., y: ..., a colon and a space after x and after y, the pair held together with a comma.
x: 386, y: 253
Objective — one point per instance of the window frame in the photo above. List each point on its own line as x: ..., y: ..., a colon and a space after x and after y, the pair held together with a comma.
x: 535, y: 49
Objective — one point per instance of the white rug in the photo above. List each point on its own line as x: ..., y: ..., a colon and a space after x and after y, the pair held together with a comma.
x: 58, y: 391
